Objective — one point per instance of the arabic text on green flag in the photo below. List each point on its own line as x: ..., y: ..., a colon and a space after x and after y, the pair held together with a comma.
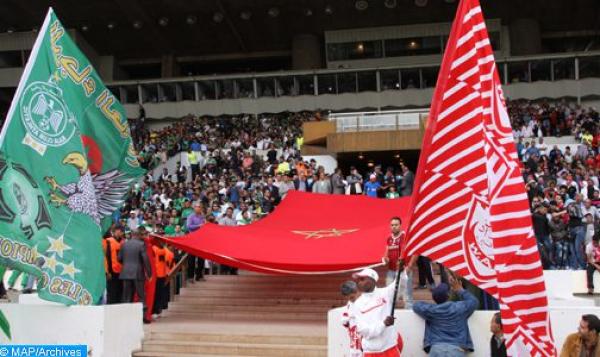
x: 66, y: 164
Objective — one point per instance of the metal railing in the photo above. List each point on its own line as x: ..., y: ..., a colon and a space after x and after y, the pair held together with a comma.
x: 550, y: 67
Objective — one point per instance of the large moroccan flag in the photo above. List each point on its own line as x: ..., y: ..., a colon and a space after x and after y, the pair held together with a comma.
x: 66, y: 164
x: 469, y: 207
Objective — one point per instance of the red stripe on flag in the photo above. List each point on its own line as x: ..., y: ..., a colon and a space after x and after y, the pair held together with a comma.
x: 469, y: 207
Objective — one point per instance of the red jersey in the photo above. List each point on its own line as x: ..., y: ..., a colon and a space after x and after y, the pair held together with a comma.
x: 394, y: 244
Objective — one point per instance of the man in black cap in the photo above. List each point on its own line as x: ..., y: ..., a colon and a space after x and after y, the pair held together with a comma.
x: 446, y: 330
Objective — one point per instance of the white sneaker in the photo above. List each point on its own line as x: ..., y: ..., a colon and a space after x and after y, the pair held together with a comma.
x: 154, y: 316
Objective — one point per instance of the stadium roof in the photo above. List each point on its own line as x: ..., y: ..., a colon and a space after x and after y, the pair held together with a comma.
x: 150, y: 28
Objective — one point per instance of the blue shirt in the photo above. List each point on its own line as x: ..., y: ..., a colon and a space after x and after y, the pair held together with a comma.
x: 194, y: 221
x: 447, y: 322
x: 371, y: 188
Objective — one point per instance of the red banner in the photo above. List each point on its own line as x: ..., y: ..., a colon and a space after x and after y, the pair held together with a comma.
x: 306, y: 234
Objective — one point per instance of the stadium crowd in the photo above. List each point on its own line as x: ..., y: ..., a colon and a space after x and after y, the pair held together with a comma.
x: 238, y: 169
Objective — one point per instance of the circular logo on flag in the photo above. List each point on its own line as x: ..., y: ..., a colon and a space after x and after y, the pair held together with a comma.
x: 478, y: 242
x: 45, y: 114
x: 22, y: 206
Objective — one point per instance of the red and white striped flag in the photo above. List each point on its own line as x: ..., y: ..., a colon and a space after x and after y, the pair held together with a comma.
x: 469, y: 207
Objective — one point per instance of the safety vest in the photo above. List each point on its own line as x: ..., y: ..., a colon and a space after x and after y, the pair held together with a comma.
x: 169, y: 260
x: 104, y: 251
x: 161, y: 263
x: 112, y: 253
x: 192, y: 159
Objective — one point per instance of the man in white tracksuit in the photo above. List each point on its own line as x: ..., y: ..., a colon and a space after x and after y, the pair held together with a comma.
x: 372, y: 313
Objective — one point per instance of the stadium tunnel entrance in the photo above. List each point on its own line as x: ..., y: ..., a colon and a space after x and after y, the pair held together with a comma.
x: 365, y: 161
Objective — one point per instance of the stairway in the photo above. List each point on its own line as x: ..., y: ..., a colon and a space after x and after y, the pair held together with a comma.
x: 248, y: 315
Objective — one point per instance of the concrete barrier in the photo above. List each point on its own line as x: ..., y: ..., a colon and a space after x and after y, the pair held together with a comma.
x: 565, y: 313
x: 107, y: 331
x: 565, y: 321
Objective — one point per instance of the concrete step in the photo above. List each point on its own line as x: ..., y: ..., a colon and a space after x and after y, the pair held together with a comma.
x: 249, y: 308
x: 242, y: 315
x: 238, y: 338
x: 229, y: 349
x: 171, y: 354
x: 243, y: 301
x: 263, y: 286
x: 233, y: 292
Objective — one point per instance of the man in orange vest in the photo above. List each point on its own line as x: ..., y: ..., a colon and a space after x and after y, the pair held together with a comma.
x: 114, y: 286
x: 162, y: 271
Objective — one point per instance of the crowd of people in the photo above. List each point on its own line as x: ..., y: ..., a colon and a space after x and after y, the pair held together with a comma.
x: 531, y: 119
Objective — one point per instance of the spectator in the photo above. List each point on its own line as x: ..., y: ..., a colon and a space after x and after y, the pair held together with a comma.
x: 446, y: 330
x: 135, y: 268
x: 322, y: 185
x: 497, y: 342
x: 350, y: 292
x: 354, y: 181
x: 585, y: 341
x: 195, y: 268
x: 337, y: 182
x: 592, y: 251
x: 408, y: 179
x: 372, y: 186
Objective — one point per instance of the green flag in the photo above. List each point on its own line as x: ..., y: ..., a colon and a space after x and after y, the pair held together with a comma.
x: 66, y: 164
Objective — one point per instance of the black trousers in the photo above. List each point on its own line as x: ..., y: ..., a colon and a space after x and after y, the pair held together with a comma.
x: 161, y: 296
x: 130, y: 286
x: 590, y: 276
x: 114, y: 289
x: 425, y: 273
x: 195, y: 267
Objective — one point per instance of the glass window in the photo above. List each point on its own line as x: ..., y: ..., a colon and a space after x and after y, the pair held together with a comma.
x: 131, y: 94
x: 367, y: 81
x: 225, y: 89
x: 501, y: 67
x: 188, y: 92
x: 206, y: 90
x: 116, y: 91
x: 410, y: 78
x: 167, y: 92
x: 429, y: 76
x: 10, y: 59
x: 326, y: 84
x: 589, y: 67
x: 354, y: 50
x: 389, y: 79
x: 518, y: 72
x: 266, y: 87
x: 346, y: 82
x: 495, y: 41
x: 150, y: 93
x: 306, y: 85
x: 564, y: 68
x: 244, y: 88
x: 540, y: 70
x: 285, y: 86
x: 430, y: 45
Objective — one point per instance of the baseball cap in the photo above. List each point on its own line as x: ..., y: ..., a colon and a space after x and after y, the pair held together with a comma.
x: 368, y: 272
x: 440, y: 293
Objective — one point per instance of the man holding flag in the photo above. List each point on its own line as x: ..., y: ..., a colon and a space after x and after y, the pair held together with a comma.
x: 482, y: 228
x: 66, y: 164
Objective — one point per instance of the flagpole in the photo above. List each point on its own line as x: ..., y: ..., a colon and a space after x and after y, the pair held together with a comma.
x: 400, y: 270
x: 26, y: 72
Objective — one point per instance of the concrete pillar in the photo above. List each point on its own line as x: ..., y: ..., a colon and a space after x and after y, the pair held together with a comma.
x: 525, y: 37
x: 169, y: 67
x: 306, y: 52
